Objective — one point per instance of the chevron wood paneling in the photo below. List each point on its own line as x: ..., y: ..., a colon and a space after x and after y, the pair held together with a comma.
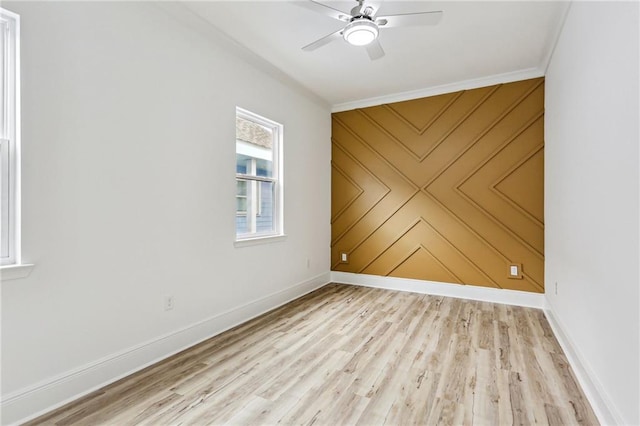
x: 447, y: 188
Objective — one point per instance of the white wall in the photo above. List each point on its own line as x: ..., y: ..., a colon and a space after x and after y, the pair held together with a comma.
x: 129, y: 196
x: 591, y: 202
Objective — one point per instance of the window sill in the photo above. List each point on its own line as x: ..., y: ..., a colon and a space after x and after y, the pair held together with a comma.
x: 259, y: 240
x: 12, y: 272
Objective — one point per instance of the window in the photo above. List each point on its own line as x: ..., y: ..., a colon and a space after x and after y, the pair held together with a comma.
x: 258, y: 176
x: 9, y: 143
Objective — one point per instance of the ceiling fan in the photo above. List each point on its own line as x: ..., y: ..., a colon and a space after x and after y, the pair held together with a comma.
x: 363, y: 26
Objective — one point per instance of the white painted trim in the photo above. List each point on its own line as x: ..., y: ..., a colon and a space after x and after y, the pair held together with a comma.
x: 602, y: 406
x: 13, y: 136
x: 439, y: 90
x: 255, y: 241
x: 277, y: 149
x: 484, y: 294
x: 33, y: 401
x: 12, y: 272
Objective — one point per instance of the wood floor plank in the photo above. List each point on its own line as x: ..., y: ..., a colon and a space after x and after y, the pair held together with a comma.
x: 346, y: 355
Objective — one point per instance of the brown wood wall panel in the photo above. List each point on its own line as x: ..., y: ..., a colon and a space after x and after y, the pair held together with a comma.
x: 447, y: 188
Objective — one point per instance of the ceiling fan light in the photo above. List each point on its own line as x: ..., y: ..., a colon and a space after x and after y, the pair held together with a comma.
x: 360, y: 32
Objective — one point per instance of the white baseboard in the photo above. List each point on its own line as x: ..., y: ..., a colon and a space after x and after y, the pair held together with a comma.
x: 33, y: 401
x: 593, y: 390
x: 484, y: 294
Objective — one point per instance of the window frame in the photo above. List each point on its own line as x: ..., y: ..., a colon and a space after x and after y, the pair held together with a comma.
x: 10, y: 250
x: 277, y: 131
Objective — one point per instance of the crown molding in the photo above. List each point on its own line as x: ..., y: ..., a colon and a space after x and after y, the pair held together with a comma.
x: 439, y: 90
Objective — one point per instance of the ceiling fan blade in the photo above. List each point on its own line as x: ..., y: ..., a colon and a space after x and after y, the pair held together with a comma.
x: 375, y: 50
x: 409, y: 19
x: 324, y: 40
x: 324, y: 10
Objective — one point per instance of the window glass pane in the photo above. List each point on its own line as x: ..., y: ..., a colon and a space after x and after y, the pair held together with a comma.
x: 265, y: 221
x: 241, y: 187
x: 241, y: 197
x: 264, y: 168
x: 241, y: 164
x: 259, y: 214
x: 9, y: 144
x: 241, y: 205
x: 242, y: 227
x: 250, y: 162
x: 4, y: 198
x: 4, y: 66
x: 254, y: 148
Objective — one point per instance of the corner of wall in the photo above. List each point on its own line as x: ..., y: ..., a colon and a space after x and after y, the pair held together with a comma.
x: 592, y: 388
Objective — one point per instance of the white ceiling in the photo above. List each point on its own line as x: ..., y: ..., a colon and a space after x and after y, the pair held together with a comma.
x: 474, y: 41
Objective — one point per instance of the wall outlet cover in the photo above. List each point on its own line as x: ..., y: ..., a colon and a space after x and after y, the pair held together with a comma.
x: 515, y: 271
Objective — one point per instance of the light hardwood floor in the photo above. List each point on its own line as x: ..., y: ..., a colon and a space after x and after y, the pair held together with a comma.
x: 347, y: 355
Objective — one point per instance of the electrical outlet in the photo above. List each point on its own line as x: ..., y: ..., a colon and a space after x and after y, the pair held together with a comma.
x: 555, y: 290
x: 308, y: 263
x: 344, y: 258
x: 168, y: 303
x: 515, y: 271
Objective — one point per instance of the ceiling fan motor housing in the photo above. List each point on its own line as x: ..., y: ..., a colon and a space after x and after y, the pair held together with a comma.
x: 361, y: 31
x: 361, y: 11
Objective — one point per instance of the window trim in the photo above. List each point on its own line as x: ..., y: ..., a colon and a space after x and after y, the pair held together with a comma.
x: 277, y: 179
x: 10, y: 23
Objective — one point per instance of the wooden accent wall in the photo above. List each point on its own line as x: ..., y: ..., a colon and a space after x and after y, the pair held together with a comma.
x: 447, y: 188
